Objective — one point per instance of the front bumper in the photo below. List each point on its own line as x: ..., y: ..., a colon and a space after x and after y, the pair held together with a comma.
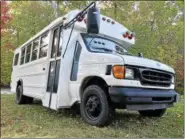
x: 142, y: 98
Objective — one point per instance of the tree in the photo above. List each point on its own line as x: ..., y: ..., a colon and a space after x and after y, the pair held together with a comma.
x: 6, y: 45
x: 5, y: 15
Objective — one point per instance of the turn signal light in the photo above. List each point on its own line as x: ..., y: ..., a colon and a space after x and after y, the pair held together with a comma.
x: 118, y: 71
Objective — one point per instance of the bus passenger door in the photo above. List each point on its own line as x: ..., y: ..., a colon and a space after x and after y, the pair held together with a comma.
x: 54, y: 68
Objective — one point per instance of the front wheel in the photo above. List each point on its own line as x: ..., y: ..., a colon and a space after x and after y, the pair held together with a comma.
x: 20, y: 98
x: 153, y: 113
x: 95, y: 108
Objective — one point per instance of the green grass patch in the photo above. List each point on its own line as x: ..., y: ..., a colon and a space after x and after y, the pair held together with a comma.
x: 37, y: 121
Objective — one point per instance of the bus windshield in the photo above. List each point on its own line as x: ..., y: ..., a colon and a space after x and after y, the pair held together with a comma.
x: 96, y: 43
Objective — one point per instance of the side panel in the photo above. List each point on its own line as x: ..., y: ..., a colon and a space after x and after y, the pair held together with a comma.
x: 15, y: 71
x: 34, y: 78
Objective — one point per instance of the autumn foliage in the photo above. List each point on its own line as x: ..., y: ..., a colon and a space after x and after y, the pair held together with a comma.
x: 5, y: 15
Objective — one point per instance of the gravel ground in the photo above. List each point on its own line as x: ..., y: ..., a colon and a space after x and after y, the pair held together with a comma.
x: 5, y: 91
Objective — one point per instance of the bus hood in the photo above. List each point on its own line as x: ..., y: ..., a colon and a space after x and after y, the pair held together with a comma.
x: 145, y: 62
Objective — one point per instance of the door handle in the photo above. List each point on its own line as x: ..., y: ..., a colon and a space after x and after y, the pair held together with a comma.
x: 43, y: 68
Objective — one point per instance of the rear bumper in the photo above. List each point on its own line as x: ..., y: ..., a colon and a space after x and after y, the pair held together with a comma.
x: 142, y: 98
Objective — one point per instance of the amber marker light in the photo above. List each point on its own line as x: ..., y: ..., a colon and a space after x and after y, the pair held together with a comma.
x: 118, y: 71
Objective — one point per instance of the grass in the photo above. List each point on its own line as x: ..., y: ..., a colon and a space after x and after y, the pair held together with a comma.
x: 36, y: 121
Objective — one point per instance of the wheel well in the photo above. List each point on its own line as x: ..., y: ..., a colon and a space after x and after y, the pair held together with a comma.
x: 19, y: 82
x: 96, y: 81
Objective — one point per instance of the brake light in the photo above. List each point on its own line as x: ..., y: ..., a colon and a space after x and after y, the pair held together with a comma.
x: 125, y: 35
x: 128, y: 35
x: 79, y: 18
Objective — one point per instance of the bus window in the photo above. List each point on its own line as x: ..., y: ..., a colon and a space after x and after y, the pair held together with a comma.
x: 22, y: 55
x: 35, y: 49
x: 28, y: 51
x: 60, y: 43
x: 16, y: 59
x: 55, y: 43
x: 53, y: 76
x: 44, y: 45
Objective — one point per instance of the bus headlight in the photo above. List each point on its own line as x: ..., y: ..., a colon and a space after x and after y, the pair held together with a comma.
x: 173, y: 79
x: 121, y: 72
x: 129, y: 73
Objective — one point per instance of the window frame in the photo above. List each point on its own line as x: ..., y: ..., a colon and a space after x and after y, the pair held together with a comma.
x: 60, y: 34
x: 37, y: 48
x: 46, y: 45
x: 57, y: 42
x: 23, y: 55
x: 30, y: 44
x: 16, y: 59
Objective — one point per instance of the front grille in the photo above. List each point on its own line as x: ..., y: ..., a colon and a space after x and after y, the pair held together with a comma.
x: 155, y: 77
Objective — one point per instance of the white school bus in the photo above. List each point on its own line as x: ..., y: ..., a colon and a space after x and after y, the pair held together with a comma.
x: 82, y: 58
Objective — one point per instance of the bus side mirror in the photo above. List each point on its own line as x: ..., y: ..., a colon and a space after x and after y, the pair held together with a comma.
x: 93, y: 20
x: 140, y: 54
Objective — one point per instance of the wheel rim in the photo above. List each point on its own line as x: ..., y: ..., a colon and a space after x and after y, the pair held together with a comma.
x: 93, y: 107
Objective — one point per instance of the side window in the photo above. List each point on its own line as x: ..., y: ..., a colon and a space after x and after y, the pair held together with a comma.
x: 44, y: 45
x: 55, y: 43
x: 53, y: 76
x: 28, y: 51
x: 35, y: 49
x: 22, y: 55
x: 75, y: 65
x: 16, y: 59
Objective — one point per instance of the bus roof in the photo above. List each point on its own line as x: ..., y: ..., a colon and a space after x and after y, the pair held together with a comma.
x: 108, y: 27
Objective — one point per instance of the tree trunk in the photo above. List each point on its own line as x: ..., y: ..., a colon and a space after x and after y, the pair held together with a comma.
x: 115, y: 10
x: 17, y: 35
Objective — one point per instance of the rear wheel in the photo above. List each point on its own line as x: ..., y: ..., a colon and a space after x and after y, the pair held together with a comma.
x: 153, y: 113
x: 20, y: 98
x: 95, y: 108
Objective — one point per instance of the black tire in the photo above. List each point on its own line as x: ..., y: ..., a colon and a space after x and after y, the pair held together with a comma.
x: 95, y: 108
x: 153, y: 113
x: 20, y: 98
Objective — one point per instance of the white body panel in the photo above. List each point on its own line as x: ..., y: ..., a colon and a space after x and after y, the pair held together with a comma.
x: 90, y: 64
